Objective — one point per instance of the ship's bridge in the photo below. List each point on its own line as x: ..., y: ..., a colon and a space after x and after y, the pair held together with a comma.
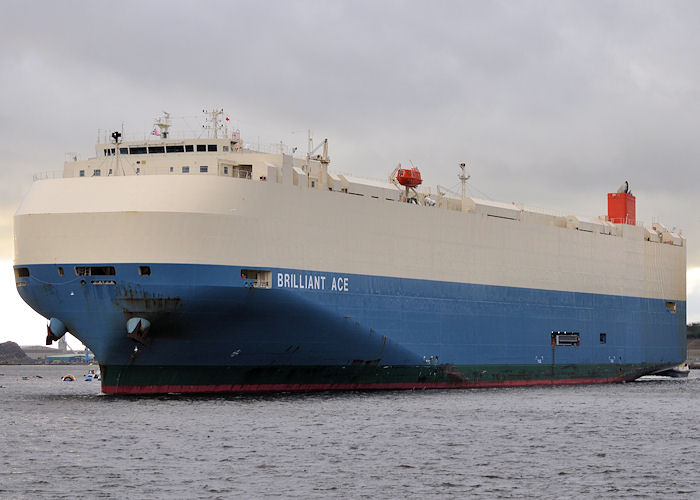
x: 168, y: 147
x: 214, y: 156
x: 161, y: 153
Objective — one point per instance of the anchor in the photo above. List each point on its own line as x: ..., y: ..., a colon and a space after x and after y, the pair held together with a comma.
x: 137, y: 330
x: 55, y: 329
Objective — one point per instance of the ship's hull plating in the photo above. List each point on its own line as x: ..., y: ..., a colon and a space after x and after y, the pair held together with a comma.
x: 214, y: 331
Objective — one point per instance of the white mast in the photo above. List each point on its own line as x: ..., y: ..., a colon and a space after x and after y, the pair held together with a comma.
x: 464, y: 178
x: 117, y: 136
x: 163, y: 123
x: 309, y: 150
x: 214, y: 121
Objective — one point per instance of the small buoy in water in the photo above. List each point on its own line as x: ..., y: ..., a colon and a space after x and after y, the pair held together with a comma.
x: 68, y: 378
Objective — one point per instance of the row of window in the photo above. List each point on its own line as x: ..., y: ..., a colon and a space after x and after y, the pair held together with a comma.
x: 203, y: 169
x: 23, y: 272
x: 185, y: 170
x: 186, y: 148
x: 98, y: 172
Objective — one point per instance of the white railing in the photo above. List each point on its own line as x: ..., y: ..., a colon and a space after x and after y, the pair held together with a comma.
x: 267, y: 147
x: 105, y: 137
x: 49, y: 174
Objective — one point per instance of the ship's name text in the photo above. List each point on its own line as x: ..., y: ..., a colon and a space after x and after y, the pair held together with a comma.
x: 312, y: 282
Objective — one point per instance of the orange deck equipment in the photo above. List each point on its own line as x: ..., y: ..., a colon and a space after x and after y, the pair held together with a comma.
x: 621, y: 208
x: 409, y: 177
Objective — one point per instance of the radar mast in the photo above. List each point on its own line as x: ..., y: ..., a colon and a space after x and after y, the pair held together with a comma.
x: 163, y: 123
x: 213, y: 121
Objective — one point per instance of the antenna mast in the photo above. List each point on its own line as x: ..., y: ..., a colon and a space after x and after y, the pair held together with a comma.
x: 116, y: 136
x: 464, y: 178
x: 214, y: 121
x: 309, y: 149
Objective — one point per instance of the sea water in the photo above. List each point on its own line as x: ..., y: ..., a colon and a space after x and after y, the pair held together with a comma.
x: 66, y: 440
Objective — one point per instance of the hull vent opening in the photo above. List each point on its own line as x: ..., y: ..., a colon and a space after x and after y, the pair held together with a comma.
x: 94, y: 271
x: 21, y: 272
x: 566, y: 338
x: 257, y: 278
x: 671, y: 307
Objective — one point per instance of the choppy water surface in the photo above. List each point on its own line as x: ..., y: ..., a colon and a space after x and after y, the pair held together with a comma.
x: 65, y: 440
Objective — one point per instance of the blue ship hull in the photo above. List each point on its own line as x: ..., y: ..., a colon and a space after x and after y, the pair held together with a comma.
x: 213, y: 330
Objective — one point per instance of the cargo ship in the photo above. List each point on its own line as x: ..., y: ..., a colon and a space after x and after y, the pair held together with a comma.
x: 211, y: 265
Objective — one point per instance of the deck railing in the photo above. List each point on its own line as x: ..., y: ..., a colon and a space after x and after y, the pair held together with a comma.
x: 49, y: 174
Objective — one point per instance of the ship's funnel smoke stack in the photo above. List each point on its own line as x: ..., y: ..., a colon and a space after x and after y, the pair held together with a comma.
x: 622, y: 206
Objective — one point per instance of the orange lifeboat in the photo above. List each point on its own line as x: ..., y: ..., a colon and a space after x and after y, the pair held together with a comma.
x: 409, y: 177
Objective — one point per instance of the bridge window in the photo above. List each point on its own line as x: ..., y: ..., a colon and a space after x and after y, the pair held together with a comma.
x: 201, y: 147
x: 174, y: 149
x: 124, y: 151
x: 137, y: 151
x: 189, y: 148
x: 211, y: 147
x: 156, y: 149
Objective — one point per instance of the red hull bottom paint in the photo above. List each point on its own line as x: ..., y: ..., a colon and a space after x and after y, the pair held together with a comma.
x: 405, y: 386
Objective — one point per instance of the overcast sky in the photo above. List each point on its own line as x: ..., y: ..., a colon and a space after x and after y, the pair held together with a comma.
x: 551, y: 104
